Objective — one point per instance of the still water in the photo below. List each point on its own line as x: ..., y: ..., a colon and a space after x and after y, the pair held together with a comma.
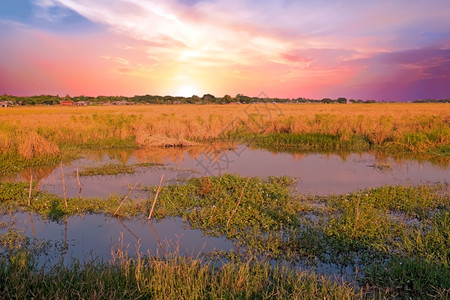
x: 318, y: 174
x: 95, y: 236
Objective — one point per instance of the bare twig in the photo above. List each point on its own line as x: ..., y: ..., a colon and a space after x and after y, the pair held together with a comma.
x: 31, y: 187
x: 64, y: 184
x: 239, y: 201
x: 156, y: 197
x: 125, y: 198
x: 79, y: 183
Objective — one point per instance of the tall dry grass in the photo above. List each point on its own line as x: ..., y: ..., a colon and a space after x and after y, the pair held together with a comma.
x: 37, y: 131
x: 33, y: 145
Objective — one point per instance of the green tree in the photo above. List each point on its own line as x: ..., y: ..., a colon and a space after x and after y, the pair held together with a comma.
x: 228, y: 99
x: 208, y: 98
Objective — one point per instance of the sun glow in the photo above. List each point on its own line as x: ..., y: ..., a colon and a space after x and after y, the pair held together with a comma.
x: 187, y: 91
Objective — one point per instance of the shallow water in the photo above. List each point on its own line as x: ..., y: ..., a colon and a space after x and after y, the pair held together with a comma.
x: 94, y: 236
x: 319, y: 174
x: 97, y: 237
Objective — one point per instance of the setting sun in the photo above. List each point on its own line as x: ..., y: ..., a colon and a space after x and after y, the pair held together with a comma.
x: 187, y: 91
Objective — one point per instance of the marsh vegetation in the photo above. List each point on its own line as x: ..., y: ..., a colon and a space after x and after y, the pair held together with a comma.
x: 389, y: 236
x: 40, y: 135
x: 388, y: 240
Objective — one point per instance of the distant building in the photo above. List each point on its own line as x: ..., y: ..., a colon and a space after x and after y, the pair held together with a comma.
x: 66, y: 103
x: 81, y: 103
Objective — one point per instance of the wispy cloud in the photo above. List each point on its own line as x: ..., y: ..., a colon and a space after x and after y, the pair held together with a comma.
x: 180, y: 34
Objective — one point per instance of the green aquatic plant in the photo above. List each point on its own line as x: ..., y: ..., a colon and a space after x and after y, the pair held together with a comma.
x: 305, y: 142
x: 409, y: 278
x: 208, y: 203
x: 116, y: 169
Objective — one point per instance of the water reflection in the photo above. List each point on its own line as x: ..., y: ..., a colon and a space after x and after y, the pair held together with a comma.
x: 92, y: 236
x: 317, y: 173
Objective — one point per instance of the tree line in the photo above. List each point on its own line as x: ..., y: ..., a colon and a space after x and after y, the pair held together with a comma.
x: 154, y: 99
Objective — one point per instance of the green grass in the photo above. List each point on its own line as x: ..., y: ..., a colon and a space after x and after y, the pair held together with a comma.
x: 410, y: 279
x: 171, y: 277
x: 412, y: 222
x: 14, y: 197
x: 116, y: 169
x: 98, y: 144
x: 12, y: 162
x: 207, y: 202
x: 305, y: 142
x: 415, y: 201
x: 415, y: 146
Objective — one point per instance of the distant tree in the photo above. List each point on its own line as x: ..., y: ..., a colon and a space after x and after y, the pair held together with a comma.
x: 326, y: 100
x: 432, y: 101
x: 227, y: 99
x: 342, y: 100
x: 194, y: 99
x: 103, y: 99
x: 208, y: 98
x: 243, y: 99
x: 302, y: 100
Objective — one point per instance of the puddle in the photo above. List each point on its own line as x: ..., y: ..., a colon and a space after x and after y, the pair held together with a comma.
x: 318, y: 174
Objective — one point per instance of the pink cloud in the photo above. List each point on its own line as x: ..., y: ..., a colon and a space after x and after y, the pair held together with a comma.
x: 285, y: 48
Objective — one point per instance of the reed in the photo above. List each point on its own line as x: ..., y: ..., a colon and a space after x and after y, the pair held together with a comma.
x: 169, y: 277
x: 32, y: 145
x: 37, y: 131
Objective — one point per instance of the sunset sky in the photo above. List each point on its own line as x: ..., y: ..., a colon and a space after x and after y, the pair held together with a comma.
x: 383, y: 50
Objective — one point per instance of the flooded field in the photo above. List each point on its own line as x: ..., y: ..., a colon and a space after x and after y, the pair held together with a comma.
x: 316, y: 174
x: 345, y: 216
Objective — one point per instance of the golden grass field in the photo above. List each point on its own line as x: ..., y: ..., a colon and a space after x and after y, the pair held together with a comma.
x: 41, y: 130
